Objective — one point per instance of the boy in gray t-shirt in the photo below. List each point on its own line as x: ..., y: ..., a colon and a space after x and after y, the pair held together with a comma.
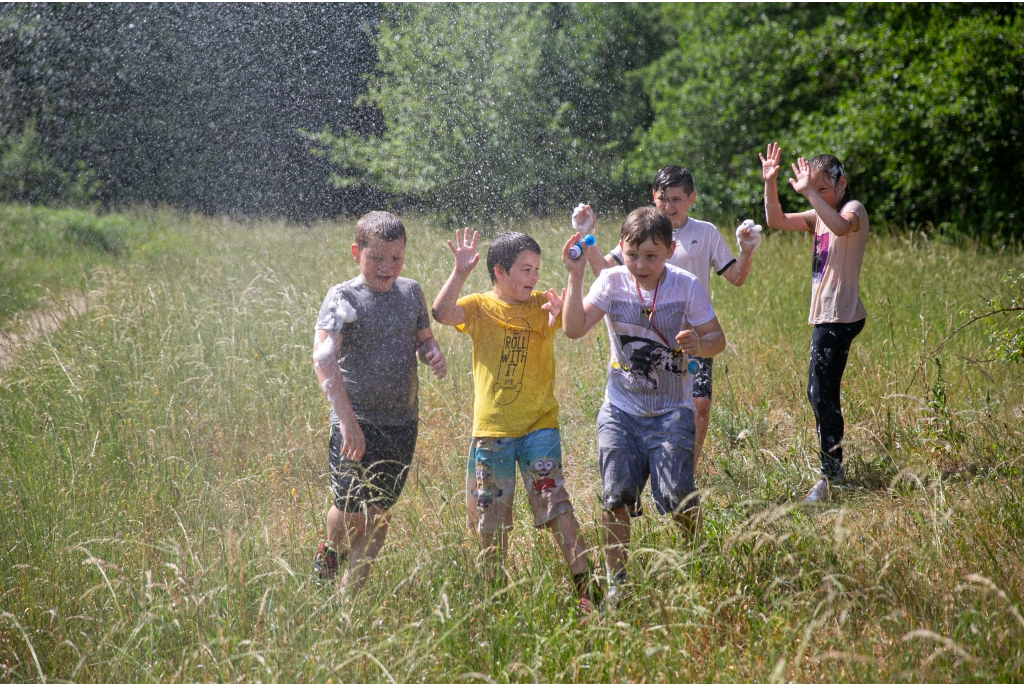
x: 369, y: 376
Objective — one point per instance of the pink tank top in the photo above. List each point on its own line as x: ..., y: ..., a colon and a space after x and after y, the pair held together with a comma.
x: 835, y: 271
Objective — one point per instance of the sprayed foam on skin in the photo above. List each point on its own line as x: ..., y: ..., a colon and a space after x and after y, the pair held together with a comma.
x: 579, y: 223
x: 748, y: 224
x: 323, y: 350
x: 342, y: 314
x: 751, y: 231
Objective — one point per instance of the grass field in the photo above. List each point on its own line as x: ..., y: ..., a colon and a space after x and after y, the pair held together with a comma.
x: 162, y: 488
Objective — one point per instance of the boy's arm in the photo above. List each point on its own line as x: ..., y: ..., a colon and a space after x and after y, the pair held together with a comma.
x: 739, y: 270
x: 599, y: 262
x: 446, y: 309
x: 705, y: 340
x: 429, y: 352
x: 748, y: 240
x: 577, y: 318
x: 325, y: 355
x: 584, y: 221
x: 774, y: 216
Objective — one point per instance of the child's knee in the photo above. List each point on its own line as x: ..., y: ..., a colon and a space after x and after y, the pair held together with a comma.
x: 616, y: 496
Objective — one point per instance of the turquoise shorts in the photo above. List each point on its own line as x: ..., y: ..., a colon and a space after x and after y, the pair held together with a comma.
x: 491, y: 479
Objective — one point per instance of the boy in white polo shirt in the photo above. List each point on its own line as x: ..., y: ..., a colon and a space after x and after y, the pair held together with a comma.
x: 699, y: 249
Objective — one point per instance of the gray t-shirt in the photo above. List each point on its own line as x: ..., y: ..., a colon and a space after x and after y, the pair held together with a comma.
x: 377, y: 355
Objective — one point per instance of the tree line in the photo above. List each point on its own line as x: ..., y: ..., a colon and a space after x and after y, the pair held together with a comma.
x: 494, y: 111
x: 192, y: 105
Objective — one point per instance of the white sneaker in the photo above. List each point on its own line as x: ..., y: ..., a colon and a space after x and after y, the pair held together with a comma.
x: 617, y: 589
x: 819, y: 493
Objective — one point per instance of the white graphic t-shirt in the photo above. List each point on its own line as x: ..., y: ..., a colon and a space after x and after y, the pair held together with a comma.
x: 646, y: 377
x: 699, y: 248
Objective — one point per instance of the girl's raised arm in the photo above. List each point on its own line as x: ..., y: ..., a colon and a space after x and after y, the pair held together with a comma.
x: 774, y: 216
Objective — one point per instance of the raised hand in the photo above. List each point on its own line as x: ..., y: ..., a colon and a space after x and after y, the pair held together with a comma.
x: 583, y: 219
x: 748, y: 236
x: 575, y: 265
x: 802, y: 181
x: 554, y: 304
x: 770, y: 164
x: 466, y: 256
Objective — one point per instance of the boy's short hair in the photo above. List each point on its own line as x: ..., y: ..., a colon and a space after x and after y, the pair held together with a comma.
x: 383, y: 225
x: 647, y: 223
x: 673, y: 176
x: 506, y: 248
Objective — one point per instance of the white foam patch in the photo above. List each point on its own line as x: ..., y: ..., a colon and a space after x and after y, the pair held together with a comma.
x: 345, y: 312
x: 324, y: 349
x: 748, y: 225
x: 580, y: 224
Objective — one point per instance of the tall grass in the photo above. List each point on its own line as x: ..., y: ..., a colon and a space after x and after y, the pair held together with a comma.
x: 162, y: 472
x: 46, y: 252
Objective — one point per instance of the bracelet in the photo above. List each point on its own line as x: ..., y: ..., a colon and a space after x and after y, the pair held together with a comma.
x: 698, y: 346
x: 772, y: 204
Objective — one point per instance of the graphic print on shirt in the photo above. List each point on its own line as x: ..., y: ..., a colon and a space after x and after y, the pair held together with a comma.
x: 514, y: 347
x: 820, y: 257
x: 647, y: 358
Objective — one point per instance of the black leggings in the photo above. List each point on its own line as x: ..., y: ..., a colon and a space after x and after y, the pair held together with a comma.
x: 830, y: 347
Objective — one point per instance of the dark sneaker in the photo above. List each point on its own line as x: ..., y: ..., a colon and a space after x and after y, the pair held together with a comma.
x: 325, y: 566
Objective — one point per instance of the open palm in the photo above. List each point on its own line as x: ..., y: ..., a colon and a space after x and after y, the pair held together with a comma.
x: 770, y: 162
x: 466, y: 256
x: 801, y: 180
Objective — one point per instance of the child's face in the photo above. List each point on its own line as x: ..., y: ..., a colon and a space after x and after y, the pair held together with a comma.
x: 517, y: 285
x: 380, y: 263
x: 822, y: 185
x: 646, y: 261
x: 675, y: 203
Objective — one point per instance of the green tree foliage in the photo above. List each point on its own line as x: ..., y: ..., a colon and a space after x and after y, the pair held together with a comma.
x: 935, y: 131
x: 29, y: 176
x: 187, y: 104
x: 923, y: 102
x: 735, y: 78
x: 491, y: 110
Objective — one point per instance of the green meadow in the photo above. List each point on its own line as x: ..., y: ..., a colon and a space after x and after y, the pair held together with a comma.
x: 163, y: 479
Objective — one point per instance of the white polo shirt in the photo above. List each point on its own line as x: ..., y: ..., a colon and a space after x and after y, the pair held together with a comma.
x: 699, y: 248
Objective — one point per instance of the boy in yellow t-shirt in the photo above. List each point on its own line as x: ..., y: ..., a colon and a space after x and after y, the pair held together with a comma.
x: 515, y: 413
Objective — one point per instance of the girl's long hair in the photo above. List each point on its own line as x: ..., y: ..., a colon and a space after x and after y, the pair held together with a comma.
x: 831, y: 165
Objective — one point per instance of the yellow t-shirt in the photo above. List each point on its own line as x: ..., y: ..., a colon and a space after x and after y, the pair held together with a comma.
x: 513, y: 365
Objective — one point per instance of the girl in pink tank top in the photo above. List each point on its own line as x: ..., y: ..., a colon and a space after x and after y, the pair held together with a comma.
x: 840, y: 228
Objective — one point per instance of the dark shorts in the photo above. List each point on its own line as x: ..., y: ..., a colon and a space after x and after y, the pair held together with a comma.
x: 378, y: 478
x: 702, y: 379
x: 633, y: 449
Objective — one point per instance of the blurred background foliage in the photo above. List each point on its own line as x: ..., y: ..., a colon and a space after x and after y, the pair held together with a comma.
x: 490, y: 112
x: 192, y: 105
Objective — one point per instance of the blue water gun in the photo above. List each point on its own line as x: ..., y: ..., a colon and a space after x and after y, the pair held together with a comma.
x: 576, y: 251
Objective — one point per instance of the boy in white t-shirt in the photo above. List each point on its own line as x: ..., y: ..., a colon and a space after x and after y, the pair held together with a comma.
x: 657, y: 316
x: 699, y: 249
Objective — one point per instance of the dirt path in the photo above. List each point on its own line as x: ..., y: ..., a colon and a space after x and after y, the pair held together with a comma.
x: 30, y: 326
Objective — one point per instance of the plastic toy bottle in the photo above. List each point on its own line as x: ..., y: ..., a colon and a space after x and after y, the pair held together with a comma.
x: 576, y: 251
